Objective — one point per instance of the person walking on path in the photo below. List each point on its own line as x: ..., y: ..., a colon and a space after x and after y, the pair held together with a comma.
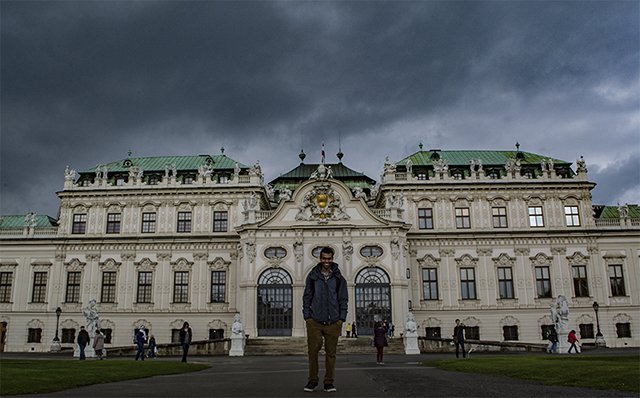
x: 458, y: 338
x: 572, y: 339
x: 379, y: 341
x: 83, y: 341
x: 553, y: 339
x: 186, y: 336
x: 98, y: 344
x: 152, y: 347
x: 324, y: 308
x: 348, y: 329
x: 140, y: 338
x: 354, y: 330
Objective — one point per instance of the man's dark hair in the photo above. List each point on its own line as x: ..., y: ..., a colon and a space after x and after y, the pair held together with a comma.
x: 327, y: 250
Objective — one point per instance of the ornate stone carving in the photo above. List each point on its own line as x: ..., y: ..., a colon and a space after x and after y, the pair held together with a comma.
x: 128, y: 256
x: 181, y: 264
x: 541, y: 259
x: 484, y: 251
x: 145, y: 265
x: 74, y: 265
x: 200, y: 256
x: 466, y: 261
x: 429, y: 261
x: 447, y: 252
x: 522, y: 251
x: 503, y: 260
x: 322, y: 204
x: 509, y: 321
x: 163, y: 256
x: 559, y: 250
x: 578, y: 258
x: 109, y: 265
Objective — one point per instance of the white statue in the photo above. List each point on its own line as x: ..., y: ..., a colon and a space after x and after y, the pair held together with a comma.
x: 237, y: 328
x: 69, y: 174
x: 174, y: 169
x: 166, y: 170
x: 30, y: 220
x: 388, y: 166
x: 624, y: 210
x: 562, y: 310
x: 410, y: 326
x: 582, y: 165
x: 236, y: 170
x: 285, y: 194
x: 270, y: 193
x: 359, y: 193
x: 253, y: 201
x: 92, y: 317
x: 329, y: 172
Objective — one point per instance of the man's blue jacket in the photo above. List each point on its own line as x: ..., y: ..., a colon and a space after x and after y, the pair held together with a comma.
x: 325, y: 300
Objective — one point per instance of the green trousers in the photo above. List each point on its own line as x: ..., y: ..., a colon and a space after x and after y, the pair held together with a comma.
x: 316, y: 333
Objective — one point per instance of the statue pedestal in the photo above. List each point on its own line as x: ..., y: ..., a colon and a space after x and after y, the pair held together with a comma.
x: 411, y: 344
x: 600, y: 343
x: 563, y: 344
x: 55, y: 346
x: 237, y: 345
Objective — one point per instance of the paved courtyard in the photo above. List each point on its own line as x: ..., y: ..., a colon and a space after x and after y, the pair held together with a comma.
x: 356, y: 376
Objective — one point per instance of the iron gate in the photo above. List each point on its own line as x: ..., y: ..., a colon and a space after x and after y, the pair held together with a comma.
x: 275, y: 301
x: 373, y: 299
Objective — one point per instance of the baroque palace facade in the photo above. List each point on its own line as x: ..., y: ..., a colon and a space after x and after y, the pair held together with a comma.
x: 489, y: 237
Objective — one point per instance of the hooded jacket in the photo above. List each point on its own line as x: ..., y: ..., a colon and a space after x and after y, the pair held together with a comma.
x: 325, y: 300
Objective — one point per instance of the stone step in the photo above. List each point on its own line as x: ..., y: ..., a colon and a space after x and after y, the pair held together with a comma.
x: 298, y: 346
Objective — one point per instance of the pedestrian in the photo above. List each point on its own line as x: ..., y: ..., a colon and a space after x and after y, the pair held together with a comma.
x: 98, y: 344
x: 83, y: 341
x: 553, y: 339
x: 354, y: 330
x: 379, y: 341
x: 186, y: 336
x: 324, y: 308
x: 140, y: 338
x: 348, y: 328
x: 392, y: 328
x: 573, y: 339
x: 153, y: 349
x: 458, y: 338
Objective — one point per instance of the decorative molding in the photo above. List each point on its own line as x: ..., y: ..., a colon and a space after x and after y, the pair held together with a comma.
x: 446, y: 252
x: 128, y: 256
x: 509, y: 321
x: 622, y: 318
x: 74, y: 265
x: 429, y: 261
x: 218, y: 264
x: 540, y: 260
x: 578, y: 258
x: 109, y: 265
x: 163, y: 256
x: 484, y: 251
x: 322, y: 204
x: 466, y: 261
x: 558, y: 251
x: 181, y: 264
x: 504, y: 260
x: 145, y: 265
x: 200, y: 256
x: 522, y: 251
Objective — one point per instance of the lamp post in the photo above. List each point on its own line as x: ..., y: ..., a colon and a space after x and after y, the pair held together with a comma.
x: 55, y: 346
x: 599, y: 338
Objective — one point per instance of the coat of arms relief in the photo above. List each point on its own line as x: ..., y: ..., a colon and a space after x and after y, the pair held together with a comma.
x: 322, y: 204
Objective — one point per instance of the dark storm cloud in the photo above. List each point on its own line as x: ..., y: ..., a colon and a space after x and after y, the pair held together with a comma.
x: 82, y: 82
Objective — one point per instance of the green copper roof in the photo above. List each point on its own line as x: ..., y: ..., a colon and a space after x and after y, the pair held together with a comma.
x: 339, y: 171
x: 19, y: 221
x: 462, y: 158
x: 158, y: 163
x: 614, y: 211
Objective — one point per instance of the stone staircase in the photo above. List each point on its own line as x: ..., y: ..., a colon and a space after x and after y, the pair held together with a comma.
x: 298, y: 346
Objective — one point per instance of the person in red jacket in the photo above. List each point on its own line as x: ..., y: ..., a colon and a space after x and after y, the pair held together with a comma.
x: 573, y: 339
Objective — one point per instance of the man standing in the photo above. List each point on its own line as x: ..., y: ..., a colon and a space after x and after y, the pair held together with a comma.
x: 83, y: 341
x: 458, y: 338
x: 140, y: 338
x: 324, y: 307
x: 186, y: 335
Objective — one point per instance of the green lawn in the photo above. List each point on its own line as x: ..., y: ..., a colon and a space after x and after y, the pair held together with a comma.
x: 37, y: 376
x: 599, y: 372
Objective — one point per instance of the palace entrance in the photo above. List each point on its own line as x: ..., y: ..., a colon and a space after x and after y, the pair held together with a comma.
x: 373, y: 299
x: 275, y: 302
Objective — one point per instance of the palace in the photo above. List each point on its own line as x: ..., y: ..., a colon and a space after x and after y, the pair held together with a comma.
x: 489, y: 237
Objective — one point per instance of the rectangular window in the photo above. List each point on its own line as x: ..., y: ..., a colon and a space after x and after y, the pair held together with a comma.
x: 145, y: 280
x: 218, y: 286
x: 430, y: 283
x: 586, y: 330
x: 425, y: 218
x: 463, y: 220
x: 421, y: 176
x: 468, y: 283
x: 72, y: 294
x: 571, y: 216
x: 181, y: 287
x: 623, y: 329
x: 184, y: 221
x: 148, y: 223
x: 543, y: 282
x: 433, y: 333
x: 546, y: 331
x: 535, y: 216
x: 510, y: 333
x: 617, y: 280
x: 505, y: 282
x: 499, y: 217
x: 6, y: 280
x: 175, y: 335
x: 220, y: 221
x: 472, y: 332
x: 68, y: 336
x: 113, y: 223
x: 108, y: 294
x: 39, y: 294
x: 580, y: 285
x: 34, y: 335
x: 79, y: 224
x: 107, y: 335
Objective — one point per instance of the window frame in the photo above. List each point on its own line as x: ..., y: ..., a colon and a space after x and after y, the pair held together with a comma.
x: 148, y: 225
x: 79, y: 224
x: 39, y: 292
x: 499, y: 220
x: 468, y: 285
x: 114, y: 223
x: 72, y: 290
x: 425, y: 218
x: 144, y: 291
x: 580, y: 281
x: 461, y: 217
x: 536, y: 219
x: 181, y: 287
x: 6, y: 285
x: 543, y: 281
x: 34, y: 335
x: 572, y: 219
x: 218, y: 291
x: 184, y: 223
x: 108, y: 287
x: 617, y: 289
x: 510, y: 331
x: 505, y: 282
x: 430, y: 284
x: 220, y: 224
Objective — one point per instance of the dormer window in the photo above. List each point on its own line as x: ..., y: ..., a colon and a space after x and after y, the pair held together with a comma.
x: 154, y: 180
x: 127, y: 163
x: 421, y: 176
x: 494, y: 175
x: 119, y: 181
x: 457, y: 175
x: 188, y: 179
x: 224, y: 179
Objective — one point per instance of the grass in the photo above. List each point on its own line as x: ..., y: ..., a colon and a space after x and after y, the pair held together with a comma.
x: 599, y: 372
x: 19, y: 376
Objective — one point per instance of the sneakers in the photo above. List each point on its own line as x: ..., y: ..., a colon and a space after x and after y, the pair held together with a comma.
x: 310, y: 386
x: 329, y: 388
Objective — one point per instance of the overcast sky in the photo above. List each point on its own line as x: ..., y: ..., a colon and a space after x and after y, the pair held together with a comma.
x: 84, y: 82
